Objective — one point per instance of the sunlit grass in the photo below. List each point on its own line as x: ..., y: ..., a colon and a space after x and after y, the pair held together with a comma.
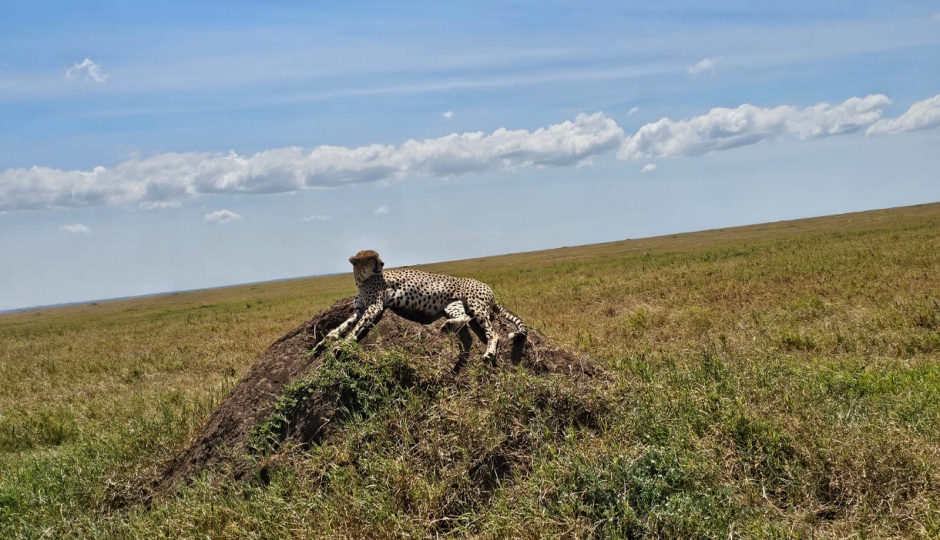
x: 775, y: 380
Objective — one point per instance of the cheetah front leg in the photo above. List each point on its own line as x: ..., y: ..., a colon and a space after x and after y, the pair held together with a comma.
x: 366, y: 321
x: 340, y: 330
x: 363, y: 323
x: 457, y: 318
x: 482, y: 315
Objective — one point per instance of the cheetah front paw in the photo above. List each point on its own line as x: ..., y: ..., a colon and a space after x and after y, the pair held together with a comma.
x: 341, y: 345
x: 451, y: 326
x: 338, y: 347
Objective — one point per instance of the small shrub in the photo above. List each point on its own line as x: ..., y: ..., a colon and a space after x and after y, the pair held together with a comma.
x: 663, y: 492
x: 357, y: 385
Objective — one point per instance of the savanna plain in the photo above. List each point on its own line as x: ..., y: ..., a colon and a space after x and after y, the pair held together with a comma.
x: 769, y: 381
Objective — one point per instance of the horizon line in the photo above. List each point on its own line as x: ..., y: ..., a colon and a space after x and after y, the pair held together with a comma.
x: 276, y: 280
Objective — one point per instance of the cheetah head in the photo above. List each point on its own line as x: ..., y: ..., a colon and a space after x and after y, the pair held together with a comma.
x: 366, y: 264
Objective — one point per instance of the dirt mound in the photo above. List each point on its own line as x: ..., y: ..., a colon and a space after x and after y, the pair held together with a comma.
x: 291, y: 394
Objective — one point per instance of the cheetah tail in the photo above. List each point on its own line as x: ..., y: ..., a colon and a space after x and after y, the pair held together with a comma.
x: 520, y: 327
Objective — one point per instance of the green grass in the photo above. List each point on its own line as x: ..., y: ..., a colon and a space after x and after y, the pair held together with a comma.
x: 778, y: 380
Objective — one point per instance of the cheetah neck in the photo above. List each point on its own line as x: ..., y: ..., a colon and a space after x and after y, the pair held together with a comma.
x: 374, y: 279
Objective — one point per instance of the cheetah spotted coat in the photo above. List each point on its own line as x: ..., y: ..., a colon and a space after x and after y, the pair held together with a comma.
x: 424, y: 294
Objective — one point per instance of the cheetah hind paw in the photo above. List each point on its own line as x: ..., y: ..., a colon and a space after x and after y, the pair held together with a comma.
x: 453, y: 324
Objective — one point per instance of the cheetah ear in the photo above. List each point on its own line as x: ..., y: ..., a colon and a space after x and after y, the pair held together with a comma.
x: 352, y: 261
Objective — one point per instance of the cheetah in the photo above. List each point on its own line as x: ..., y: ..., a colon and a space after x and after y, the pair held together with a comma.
x: 422, y: 293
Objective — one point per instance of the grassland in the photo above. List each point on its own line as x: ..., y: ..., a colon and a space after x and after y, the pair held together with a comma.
x: 779, y: 380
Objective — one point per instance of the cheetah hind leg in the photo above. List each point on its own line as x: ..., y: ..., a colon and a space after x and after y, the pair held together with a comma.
x: 482, y: 315
x: 457, y: 318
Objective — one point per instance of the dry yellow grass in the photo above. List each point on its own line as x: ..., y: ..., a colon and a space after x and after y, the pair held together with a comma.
x: 773, y: 380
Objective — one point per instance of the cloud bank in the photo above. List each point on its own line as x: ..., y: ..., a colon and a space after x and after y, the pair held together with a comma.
x: 922, y: 115
x: 163, y: 180
x: 176, y: 176
x: 722, y: 129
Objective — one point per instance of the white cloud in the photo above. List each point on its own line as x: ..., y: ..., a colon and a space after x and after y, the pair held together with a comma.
x: 723, y: 129
x: 704, y: 64
x: 220, y: 217
x: 648, y: 168
x: 75, y: 230
x: 176, y: 176
x: 633, y: 110
x: 87, y: 70
x: 164, y: 180
x: 921, y: 115
x: 448, y: 115
x: 381, y: 210
x: 317, y: 217
x: 159, y: 205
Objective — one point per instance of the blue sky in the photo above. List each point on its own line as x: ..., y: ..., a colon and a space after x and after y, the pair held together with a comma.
x: 165, y: 146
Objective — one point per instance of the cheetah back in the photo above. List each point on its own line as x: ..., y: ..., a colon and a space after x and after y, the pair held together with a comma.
x: 428, y: 294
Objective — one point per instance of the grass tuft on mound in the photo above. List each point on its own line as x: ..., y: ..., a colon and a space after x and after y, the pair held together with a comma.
x: 356, y: 386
